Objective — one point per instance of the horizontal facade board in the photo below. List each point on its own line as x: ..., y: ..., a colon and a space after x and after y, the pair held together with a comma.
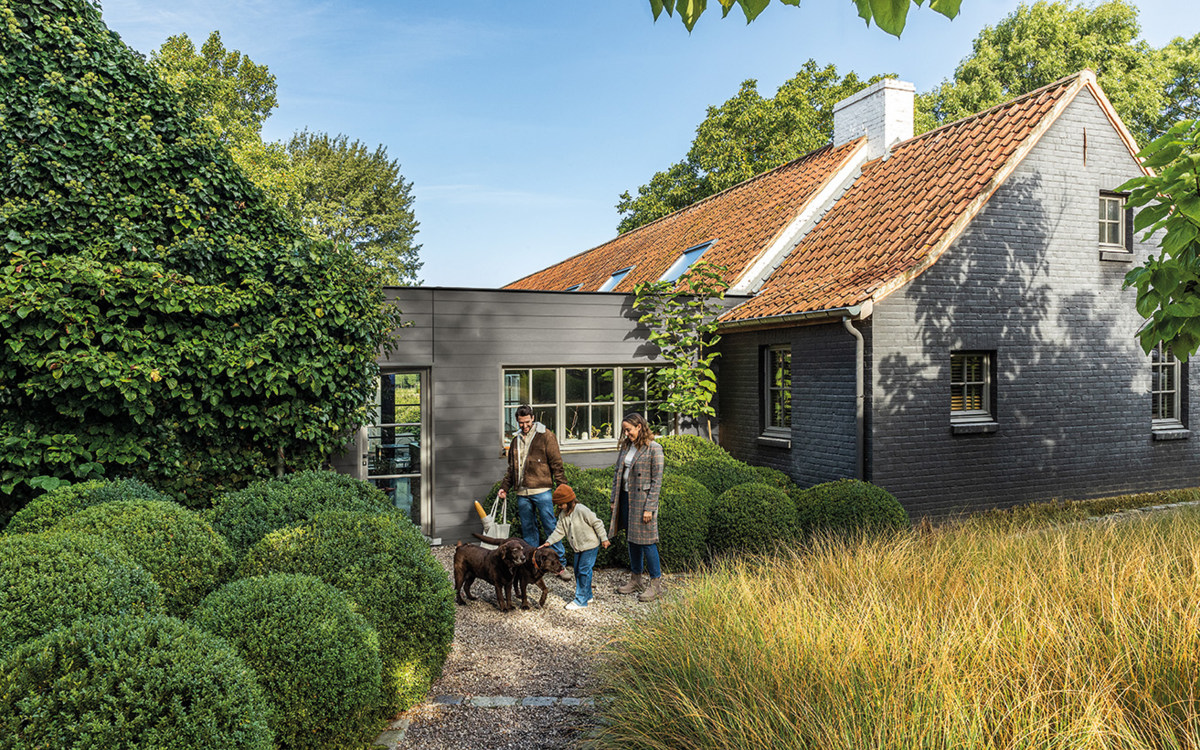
x: 1025, y: 285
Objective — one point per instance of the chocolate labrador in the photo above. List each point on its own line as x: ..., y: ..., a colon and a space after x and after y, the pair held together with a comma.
x: 538, y: 562
x: 496, y: 566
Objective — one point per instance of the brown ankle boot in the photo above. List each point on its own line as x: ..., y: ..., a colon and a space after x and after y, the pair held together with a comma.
x: 634, y: 585
x: 652, y: 591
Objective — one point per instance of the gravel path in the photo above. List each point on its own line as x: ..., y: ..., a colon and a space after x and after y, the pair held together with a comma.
x: 542, y: 658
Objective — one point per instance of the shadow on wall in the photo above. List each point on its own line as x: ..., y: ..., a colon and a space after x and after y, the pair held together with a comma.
x: 1013, y: 287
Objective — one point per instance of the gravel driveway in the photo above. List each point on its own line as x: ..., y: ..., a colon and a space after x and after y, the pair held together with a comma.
x: 520, y: 679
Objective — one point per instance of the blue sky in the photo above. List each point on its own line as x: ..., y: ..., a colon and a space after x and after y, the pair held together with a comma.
x: 519, y: 123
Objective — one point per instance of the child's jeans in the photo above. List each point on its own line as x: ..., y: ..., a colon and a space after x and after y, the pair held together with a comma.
x: 584, y: 562
x: 647, y: 552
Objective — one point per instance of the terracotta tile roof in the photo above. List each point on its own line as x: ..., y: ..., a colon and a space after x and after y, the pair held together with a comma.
x: 744, y: 220
x: 904, y: 210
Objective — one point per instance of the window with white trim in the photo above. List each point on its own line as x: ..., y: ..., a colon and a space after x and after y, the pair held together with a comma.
x: 615, y: 279
x: 581, y: 405
x: 971, y: 386
x: 777, y: 390
x: 685, y: 261
x: 1115, y: 225
x: 1165, y: 377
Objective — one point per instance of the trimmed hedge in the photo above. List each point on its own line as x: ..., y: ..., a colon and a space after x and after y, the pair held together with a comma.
x: 46, y: 510
x: 383, y: 563
x: 684, y: 506
x: 317, y: 659
x: 848, y: 506
x: 48, y: 580
x: 751, y: 517
x: 178, y: 547
x: 719, y: 475
x: 131, y: 683
x: 773, y: 477
x: 246, y: 516
x: 680, y: 450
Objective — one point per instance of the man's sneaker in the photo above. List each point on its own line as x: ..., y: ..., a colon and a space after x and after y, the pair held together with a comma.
x: 564, y: 575
x: 574, y: 606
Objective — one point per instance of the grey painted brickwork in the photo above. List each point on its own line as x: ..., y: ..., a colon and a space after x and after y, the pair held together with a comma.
x: 1072, y: 394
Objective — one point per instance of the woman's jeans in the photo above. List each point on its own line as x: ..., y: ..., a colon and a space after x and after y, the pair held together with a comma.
x: 584, y: 562
x: 532, y: 507
x: 648, y: 553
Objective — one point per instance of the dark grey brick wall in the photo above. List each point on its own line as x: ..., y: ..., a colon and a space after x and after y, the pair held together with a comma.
x: 1072, y: 393
x: 823, y: 410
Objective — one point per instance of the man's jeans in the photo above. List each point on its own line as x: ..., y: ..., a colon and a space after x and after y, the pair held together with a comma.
x: 543, y: 502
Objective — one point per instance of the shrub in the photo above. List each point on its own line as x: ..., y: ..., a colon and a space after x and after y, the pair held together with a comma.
x: 719, y: 475
x: 384, y: 565
x: 680, y: 450
x: 684, y: 506
x: 751, y: 517
x: 47, y: 580
x: 848, y: 506
x: 46, y: 510
x: 131, y: 683
x: 179, y: 548
x: 248, y: 515
x: 773, y: 477
x: 317, y: 659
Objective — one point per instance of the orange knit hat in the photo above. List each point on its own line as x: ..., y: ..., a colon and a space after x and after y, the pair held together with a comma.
x: 563, y: 494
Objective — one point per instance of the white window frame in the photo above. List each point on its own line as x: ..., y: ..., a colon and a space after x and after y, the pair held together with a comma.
x: 1105, y: 224
x: 979, y: 382
x: 686, y: 260
x: 774, y: 393
x: 1165, y: 365
x: 615, y: 279
x: 561, y: 406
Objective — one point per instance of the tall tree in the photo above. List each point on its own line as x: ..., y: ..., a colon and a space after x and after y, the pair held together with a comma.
x: 1041, y: 43
x: 889, y: 15
x: 743, y: 137
x: 357, y: 196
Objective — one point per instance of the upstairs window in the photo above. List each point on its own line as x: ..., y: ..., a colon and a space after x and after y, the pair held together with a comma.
x: 1115, y: 227
x: 685, y: 261
x: 615, y: 279
x: 971, y: 387
x: 1165, y: 377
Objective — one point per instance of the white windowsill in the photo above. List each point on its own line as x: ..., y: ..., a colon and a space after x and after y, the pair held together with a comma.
x: 973, y: 425
x: 1115, y: 253
x: 776, y: 437
x: 1169, y: 430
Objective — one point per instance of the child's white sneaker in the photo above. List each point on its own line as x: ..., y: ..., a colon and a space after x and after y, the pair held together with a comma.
x: 591, y: 599
x: 574, y: 606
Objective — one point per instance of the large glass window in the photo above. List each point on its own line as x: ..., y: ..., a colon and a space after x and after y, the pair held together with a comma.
x: 970, y: 386
x: 778, y: 391
x: 1165, y: 372
x: 394, y: 441
x: 580, y: 404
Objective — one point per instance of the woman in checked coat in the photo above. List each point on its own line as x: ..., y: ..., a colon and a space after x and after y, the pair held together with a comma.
x: 636, y: 484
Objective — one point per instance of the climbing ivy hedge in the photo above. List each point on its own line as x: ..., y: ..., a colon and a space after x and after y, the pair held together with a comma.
x: 159, y: 316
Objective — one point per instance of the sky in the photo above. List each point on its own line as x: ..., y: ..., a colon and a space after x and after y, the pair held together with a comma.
x: 520, y: 122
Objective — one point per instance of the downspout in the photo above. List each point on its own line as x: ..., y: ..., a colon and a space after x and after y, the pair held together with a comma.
x: 859, y: 410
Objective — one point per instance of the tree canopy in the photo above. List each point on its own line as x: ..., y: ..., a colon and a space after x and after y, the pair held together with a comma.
x: 743, y: 137
x: 889, y: 15
x: 334, y: 188
x: 1038, y: 44
x: 161, y: 317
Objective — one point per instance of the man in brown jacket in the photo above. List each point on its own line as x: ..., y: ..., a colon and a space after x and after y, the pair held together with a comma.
x: 535, y: 468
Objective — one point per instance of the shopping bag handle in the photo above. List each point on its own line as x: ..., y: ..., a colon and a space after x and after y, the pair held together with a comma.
x: 503, y: 512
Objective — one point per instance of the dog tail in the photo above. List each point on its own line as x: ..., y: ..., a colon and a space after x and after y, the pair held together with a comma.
x: 490, y: 539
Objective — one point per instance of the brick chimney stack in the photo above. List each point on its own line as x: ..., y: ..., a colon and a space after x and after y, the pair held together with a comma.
x: 883, y: 112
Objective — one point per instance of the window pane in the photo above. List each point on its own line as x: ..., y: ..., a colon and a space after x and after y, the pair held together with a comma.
x: 544, y: 387
x: 602, y: 423
x: 546, y: 415
x: 516, y: 387
x: 633, y: 384
x: 405, y: 494
x: 602, y: 385
x: 577, y: 386
x: 577, y: 426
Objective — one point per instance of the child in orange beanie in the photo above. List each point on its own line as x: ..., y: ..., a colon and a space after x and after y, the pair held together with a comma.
x: 586, y: 534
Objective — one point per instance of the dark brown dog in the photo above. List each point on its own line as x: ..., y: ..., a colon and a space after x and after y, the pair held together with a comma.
x: 495, y: 566
x: 538, y: 562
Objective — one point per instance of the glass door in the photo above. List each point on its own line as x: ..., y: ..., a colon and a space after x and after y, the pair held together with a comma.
x: 396, y: 441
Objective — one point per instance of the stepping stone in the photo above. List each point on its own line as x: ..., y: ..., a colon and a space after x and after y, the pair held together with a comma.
x: 448, y: 700
x: 492, y: 701
x: 542, y: 701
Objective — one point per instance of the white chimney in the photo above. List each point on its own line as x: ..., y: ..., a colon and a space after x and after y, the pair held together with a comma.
x: 883, y: 112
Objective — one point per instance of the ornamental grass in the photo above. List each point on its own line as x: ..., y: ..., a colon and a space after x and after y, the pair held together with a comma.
x: 1080, y: 636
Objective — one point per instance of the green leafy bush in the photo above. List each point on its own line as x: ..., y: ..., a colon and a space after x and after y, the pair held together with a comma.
x: 246, y: 516
x: 684, y: 506
x: 680, y: 450
x: 773, y: 477
x: 751, y: 517
x: 719, y: 475
x: 848, y: 506
x: 46, y: 510
x: 317, y: 659
x: 47, y: 580
x: 181, y: 550
x: 383, y: 563
x: 131, y: 683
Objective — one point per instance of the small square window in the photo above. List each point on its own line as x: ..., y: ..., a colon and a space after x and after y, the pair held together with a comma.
x: 685, y: 261
x: 971, y: 378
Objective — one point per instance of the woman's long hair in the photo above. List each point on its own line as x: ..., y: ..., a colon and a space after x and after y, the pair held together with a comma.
x: 644, y: 434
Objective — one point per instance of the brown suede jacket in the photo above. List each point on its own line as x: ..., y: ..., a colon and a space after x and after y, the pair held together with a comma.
x: 543, y: 463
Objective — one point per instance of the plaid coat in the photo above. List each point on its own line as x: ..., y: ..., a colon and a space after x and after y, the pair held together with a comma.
x: 645, y: 481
